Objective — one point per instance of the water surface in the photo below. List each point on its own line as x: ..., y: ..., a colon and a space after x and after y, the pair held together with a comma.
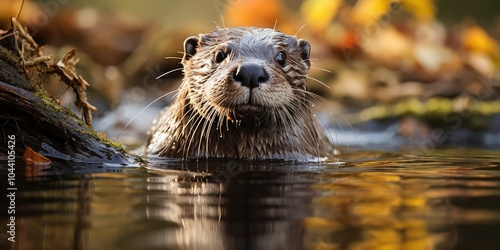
x: 447, y: 199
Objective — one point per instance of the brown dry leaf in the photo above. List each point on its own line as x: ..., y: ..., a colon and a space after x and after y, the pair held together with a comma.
x: 32, y: 157
x: 477, y: 40
x: 366, y: 11
x: 65, y: 68
x: 423, y: 10
x: 319, y: 13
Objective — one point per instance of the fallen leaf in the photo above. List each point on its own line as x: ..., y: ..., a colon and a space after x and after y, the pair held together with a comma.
x: 319, y: 13
x: 259, y: 13
x: 341, y: 36
x: 32, y: 157
x: 477, y: 40
x: 366, y: 11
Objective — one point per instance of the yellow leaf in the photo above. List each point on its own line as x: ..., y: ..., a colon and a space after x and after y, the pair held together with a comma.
x: 319, y: 13
x: 316, y: 222
x: 423, y: 10
x: 477, y: 40
x: 366, y: 11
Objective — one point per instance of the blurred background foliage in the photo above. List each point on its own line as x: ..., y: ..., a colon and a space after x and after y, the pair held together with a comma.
x: 380, y: 59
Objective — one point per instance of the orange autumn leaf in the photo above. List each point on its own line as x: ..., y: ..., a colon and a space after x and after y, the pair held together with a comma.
x: 366, y: 11
x: 32, y: 157
x: 342, y: 37
x: 319, y: 13
x: 423, y: 10
x: 259, y: 13
x: 477, y: 40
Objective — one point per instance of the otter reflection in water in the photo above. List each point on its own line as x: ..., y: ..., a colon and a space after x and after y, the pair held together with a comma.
x: 243, y: 96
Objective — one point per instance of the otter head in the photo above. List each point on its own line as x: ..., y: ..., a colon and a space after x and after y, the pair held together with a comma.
x: 245, y: 73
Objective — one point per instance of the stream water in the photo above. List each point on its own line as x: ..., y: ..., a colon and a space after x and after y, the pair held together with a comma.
x: 444, y: 199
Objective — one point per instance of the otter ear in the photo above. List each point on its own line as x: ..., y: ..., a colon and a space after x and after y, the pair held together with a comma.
x: 305, y: 51
x: 190, y: 45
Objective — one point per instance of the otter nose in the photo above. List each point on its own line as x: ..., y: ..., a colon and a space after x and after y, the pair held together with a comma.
x: 250, y: 75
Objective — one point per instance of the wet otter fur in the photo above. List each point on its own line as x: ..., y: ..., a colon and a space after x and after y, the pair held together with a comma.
x: 243, y: 96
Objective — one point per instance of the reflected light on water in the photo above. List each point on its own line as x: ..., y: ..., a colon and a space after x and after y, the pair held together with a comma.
x: 374, y: 200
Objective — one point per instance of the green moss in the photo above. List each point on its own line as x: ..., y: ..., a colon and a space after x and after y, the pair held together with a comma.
x: 433, y: 110
x: 49, y: 101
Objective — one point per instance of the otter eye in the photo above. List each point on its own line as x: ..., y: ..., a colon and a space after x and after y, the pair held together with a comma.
x: 281, y: 59
x: 220, y: 56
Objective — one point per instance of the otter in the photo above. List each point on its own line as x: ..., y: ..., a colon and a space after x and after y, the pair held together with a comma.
x: 243, y: 96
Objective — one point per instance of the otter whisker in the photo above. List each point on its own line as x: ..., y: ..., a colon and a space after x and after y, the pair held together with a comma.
x: 168, y: 72
x: 311, y: 94
x: 300, y: 29
x: 295, y: 109
x: 201, y: 137
x: 222, y: 117
x: 322, y: 83
x: 327, y: 130
x: 192, y: 133
x: 317, y: 97
x: 222, y: 20
x: 217, y: 26
x: 322, y: 69
x: 173, y: 57
x: 335, y: 121
x: 273, y: 34
x: 182, y: 118
x: 142, y: 110
x: 205, y: 130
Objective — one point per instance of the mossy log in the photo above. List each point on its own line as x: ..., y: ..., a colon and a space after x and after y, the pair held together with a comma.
x: 39, y: 122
